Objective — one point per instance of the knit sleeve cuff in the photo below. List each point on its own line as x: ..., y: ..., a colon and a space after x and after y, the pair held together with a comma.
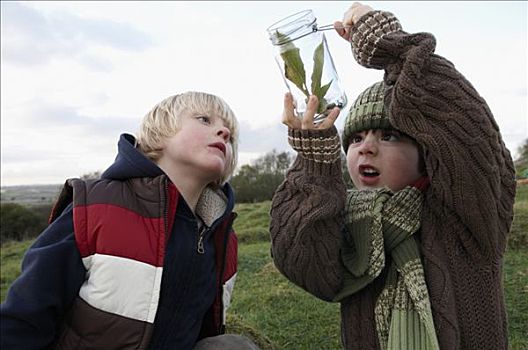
x: 319, y: 149
x: 366, y: 34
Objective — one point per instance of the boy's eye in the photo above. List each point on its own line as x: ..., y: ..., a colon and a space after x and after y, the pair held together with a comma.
x: 204, y: 119
x: 356, y: 138
x: 390, y: 135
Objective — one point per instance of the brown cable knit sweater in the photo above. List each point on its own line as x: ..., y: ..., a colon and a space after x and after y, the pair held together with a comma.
x: 467, y: 210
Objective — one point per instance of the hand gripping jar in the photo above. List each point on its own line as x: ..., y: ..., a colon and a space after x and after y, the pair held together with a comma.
x: 305, y: 62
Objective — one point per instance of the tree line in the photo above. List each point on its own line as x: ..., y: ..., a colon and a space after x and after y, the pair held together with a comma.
x: 255, y: 182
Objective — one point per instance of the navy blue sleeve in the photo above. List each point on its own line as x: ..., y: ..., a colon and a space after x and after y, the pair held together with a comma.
x: 52, y: 274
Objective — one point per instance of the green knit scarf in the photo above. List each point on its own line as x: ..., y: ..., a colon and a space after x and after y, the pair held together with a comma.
x: 380, y: 222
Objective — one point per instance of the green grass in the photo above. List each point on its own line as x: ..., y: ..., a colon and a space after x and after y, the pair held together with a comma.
x: 282, y: 312
x: 276, y: 314
x: 287, y: 317
x: 252, y: 222
x: 516, y: 288
x: 10, y: 257
x: 518, y: 237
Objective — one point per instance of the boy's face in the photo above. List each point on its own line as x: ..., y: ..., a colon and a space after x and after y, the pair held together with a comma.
x: 202, y: 145
x: 382, y: 158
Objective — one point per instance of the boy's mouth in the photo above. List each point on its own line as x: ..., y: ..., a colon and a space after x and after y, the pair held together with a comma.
x: 368, y: 171
x: 220, y: 146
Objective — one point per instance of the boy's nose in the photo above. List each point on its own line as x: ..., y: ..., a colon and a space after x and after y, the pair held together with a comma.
x: 224, y: 133
x: 369, y: 145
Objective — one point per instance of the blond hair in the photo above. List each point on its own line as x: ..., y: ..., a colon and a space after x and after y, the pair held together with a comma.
x: 164, y: 121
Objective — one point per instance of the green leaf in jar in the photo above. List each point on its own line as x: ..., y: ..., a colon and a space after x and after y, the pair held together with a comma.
x: 293, y: 64
x: 317, y: 72
x: 321, y: 92
x: 295, y: 72
x: 294, y: 69
x: 317, y: 89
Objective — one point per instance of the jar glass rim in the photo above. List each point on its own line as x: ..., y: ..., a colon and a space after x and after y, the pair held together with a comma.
x: 302, y: 20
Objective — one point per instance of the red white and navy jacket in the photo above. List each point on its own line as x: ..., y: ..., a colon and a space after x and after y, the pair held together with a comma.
x: 151, y: 276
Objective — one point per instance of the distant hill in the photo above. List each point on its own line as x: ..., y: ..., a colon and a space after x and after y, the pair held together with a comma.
x: 30, y: 194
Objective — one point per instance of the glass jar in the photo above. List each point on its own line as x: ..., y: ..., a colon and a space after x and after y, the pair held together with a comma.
x: 305, y: 62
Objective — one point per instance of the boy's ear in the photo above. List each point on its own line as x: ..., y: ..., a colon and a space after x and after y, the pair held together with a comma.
x: 422, y: 183
x: 162, y: 144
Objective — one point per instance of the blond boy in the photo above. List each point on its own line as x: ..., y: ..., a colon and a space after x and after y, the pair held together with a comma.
x: 144, y: 257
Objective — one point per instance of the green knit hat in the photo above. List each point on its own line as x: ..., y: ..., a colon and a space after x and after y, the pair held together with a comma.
x: 366, y: 113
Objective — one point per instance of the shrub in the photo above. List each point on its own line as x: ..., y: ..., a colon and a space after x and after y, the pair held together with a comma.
x: 18, y: 222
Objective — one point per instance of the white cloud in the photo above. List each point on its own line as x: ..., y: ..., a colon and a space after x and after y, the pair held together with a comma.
x: 33, y: 38
x: 75, y: 75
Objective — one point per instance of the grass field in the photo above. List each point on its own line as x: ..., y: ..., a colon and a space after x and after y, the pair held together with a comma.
x: 278, y: 315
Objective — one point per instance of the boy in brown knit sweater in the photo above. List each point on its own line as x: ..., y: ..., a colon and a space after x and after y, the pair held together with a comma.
x: 413, y: 253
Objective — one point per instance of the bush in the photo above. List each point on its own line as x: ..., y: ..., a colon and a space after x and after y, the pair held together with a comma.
x: 521, y: 163
x: 257, y: 182
x: 18, y: 222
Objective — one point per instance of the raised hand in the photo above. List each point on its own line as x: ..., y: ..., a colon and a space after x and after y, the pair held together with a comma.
x: 307, y: 122
x: 351, y: 17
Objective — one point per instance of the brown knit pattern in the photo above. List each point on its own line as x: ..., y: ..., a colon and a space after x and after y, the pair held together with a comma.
x: 320, y: 146
x: 368, y: 31
x: 318, y: 150
x: 467, y: 212
x: 472, y: 179
x: 306, y: 238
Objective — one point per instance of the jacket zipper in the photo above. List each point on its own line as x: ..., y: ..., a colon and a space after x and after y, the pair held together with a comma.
x: 201, y: 234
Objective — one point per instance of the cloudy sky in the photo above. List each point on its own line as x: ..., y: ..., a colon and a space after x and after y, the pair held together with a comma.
x: 75, y: 75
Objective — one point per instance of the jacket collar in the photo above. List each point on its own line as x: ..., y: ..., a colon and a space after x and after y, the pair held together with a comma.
x: 211, y: 205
